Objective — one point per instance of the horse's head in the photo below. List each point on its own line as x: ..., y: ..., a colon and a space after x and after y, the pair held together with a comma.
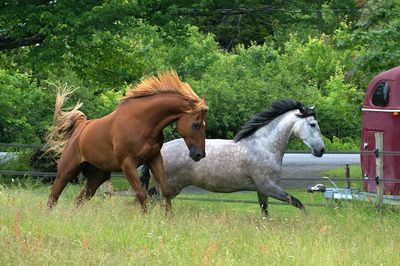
x: 306, y: 128
x: 192, y: 127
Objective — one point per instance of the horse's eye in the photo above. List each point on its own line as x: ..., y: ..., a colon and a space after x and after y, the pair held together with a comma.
x: 196, y: 126
x: 312, y: 125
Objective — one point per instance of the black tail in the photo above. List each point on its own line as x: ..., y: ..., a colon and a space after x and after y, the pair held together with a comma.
x: 144, y: 174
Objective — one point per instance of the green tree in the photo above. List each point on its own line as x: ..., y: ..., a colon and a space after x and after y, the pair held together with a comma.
x: 372, y: 40
x: 271, y: 51
x: 252, y: 21
x: 25, y: 114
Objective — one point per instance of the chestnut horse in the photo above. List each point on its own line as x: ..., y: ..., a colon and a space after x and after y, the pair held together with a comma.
x: 126, y: 138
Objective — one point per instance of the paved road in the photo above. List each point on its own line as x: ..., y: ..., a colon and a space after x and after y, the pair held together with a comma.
x: 4, y: 156
x: 299, y: 165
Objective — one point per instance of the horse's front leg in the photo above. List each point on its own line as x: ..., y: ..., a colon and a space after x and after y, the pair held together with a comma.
x: 128, y: 166
x: 157, y: 168
x: 263, y: 201
x: 278, y: 193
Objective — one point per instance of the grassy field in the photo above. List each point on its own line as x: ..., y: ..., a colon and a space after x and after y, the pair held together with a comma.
x: 111, y: 231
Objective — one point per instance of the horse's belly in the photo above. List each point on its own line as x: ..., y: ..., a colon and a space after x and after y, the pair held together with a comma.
x: 224, y: 183
x: 103, y: 159
x: 109, y: 165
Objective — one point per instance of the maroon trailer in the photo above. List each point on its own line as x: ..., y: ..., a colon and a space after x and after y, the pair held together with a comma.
x: 381, y: 114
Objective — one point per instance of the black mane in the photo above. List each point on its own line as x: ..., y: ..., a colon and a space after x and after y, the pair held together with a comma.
x: 261, y: 119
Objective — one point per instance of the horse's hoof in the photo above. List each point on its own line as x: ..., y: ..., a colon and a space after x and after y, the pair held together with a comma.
x: 304, y: 211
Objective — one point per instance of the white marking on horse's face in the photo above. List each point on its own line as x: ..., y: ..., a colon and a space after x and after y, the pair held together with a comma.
x: 307, y: 129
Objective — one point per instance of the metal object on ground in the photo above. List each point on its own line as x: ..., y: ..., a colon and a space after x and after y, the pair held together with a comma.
x: 341, y: 193
x: 355, y: 194
x: 316, y: 188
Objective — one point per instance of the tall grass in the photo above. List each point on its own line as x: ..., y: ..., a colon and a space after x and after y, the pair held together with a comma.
x: 110, y: 231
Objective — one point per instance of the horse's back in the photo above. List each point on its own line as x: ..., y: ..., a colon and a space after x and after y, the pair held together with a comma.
x: 176, y: 152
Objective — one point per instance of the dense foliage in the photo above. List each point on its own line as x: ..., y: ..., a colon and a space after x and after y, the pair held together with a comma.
x: 241, y: 55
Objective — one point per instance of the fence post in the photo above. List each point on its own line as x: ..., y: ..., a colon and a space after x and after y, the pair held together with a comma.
x: 347, y: 175
x: 379, y: 168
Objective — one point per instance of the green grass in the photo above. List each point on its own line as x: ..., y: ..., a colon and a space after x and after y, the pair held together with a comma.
x: 111, y: 231
x: 120, y: 184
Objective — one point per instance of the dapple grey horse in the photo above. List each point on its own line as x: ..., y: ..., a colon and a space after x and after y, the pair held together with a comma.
x: 251, y: 161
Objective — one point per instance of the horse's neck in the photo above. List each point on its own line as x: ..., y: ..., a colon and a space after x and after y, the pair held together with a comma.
x: 275, y: 136
x: 158, y: 111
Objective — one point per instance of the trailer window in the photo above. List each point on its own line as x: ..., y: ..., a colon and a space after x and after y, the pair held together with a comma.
x: 380, y: 96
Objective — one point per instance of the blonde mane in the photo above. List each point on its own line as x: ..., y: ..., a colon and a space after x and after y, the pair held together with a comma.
x: 163, y: 83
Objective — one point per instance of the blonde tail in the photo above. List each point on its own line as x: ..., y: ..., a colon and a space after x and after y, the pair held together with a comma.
x: 64, y: 123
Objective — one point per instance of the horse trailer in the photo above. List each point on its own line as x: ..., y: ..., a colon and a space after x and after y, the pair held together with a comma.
x: 381, y: 115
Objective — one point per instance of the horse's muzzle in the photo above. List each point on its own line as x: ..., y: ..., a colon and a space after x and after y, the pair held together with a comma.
x: 318, y: 153
x: 196, y: 154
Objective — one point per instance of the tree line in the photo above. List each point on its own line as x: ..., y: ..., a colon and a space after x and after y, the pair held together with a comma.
x: 242, y: 55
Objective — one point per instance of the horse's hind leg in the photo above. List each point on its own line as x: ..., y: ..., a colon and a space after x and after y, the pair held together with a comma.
x: 263, y: 201
x: 278, y: 193
x: 94, y: 178
x: 66, y: 171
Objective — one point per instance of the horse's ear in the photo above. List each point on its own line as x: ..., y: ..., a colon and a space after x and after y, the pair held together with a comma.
x: 312, y: 107
x: 204, y: 99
